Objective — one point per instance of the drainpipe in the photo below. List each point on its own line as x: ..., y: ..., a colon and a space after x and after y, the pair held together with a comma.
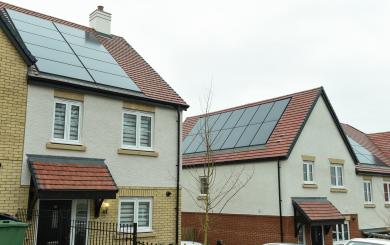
x: 280, y: 204
x: 178, y: 173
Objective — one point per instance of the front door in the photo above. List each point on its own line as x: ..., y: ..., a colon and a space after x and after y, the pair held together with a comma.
x: 316, y: 235
x: 54, y: 222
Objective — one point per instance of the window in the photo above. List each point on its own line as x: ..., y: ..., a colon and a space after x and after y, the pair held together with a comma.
x: 336, y: 175
x: 67, y: 121
x: 386, y: 186
x: 204, y: 185
x: 301, y: 235
x: 136, y: 210
x: 367, y: 191
x: 308, y: 167
x: 340, y: 233
x: 137, y: 130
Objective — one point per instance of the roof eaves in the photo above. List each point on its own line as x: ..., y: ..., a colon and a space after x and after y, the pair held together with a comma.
x: 14, y: 37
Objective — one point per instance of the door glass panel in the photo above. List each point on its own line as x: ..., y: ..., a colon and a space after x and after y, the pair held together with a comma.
x: 80, y: 222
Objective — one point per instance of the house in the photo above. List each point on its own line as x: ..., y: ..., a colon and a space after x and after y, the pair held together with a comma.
x: 89, y: 131
x: 307, y: 182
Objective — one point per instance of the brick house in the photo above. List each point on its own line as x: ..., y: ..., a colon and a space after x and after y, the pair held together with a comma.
x: 309, y: 184
x: 88, y: 129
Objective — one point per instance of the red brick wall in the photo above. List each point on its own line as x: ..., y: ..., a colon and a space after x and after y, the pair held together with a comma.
x: 249, y: 229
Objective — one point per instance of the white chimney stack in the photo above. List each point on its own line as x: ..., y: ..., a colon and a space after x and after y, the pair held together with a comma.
x: 100, y: 20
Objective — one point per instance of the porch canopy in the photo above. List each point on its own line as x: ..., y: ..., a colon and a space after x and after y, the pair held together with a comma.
x: 315, y: 211
x: 58, y: 177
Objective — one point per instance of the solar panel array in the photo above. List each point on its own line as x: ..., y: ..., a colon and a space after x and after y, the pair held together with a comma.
x: 69, y: 52
x: 362, y: 154
x: 244, y: 127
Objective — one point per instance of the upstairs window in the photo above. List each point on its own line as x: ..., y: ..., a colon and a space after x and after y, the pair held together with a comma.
x: 308, y: 167
x: 136, y: 210
x: 137, y: 130
x: 336, y: 175
x: 340, y: 233
x: 67, y: 121
x: 204, y: 185
x: 367, y: 185
x: 386, y: 186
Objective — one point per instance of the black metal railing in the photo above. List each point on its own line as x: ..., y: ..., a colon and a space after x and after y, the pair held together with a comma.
x: 66, y: 231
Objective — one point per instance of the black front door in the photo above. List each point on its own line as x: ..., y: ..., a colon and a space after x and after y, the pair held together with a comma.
x: 316, y: 235
x: 54, y: 222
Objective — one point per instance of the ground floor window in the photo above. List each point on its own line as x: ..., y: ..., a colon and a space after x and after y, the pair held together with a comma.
x: 340, y: 233
x: 136, y: 210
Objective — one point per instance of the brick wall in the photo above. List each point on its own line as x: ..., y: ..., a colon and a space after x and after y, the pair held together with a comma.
x: 13, y: 97
x: 250, y: 229
x: 164, y: 212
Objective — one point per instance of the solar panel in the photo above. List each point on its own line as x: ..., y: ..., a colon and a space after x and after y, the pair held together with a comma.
x: 69, y: 52
x: 363, y: 155
x: 245, y: 127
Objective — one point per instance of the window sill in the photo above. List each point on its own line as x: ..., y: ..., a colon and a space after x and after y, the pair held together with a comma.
x: 62, y: 146
x: 338, y: 189
x: 122, y: 151
x: 310, y: 185
x: 201, y: 197
x: 387, y: 205
x: 369, y: 205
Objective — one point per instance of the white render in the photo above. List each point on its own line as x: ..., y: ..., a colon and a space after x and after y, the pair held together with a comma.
x: 101, y: 133
x: 100, y: 21
x: 320, y: 138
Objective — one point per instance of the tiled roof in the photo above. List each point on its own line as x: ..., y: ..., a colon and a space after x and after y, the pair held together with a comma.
x: 382, y: 141
x: 367, y: 142
x: 318, y: 209
x: 373, y: 170
x: 146, y: 78
x: 282, y: 138
x: 71, y: 176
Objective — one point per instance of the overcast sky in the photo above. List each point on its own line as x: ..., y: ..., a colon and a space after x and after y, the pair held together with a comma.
x: 254, y: 50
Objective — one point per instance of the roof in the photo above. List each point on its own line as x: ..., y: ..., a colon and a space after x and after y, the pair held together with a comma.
x: 151, y: 84
x: 382, y: 141
x: 282, y: 138
x: 69, y: 175
x: 317, y: 210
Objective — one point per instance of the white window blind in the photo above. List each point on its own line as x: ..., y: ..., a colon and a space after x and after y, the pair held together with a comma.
x: 67, y: 120
x: 136, y: 210
x: 137, y: 130
x: 336, y: 173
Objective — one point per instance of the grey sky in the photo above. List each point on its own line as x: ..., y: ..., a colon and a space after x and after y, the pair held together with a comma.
x: 254, y: 50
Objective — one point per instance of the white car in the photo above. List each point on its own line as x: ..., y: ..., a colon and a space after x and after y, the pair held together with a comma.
x: 190, y: 243
x: 368, y: 241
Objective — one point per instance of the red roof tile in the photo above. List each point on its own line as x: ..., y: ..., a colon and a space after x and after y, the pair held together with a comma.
x: 281, y: 139
x: 65, y: 176
x: 373, y: 170
x: 147, y: 79
x: 382, y: 141
x: 319, y: 210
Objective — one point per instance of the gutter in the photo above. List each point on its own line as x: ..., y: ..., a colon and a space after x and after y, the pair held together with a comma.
x: 280, y: 204
x: 178, y: 174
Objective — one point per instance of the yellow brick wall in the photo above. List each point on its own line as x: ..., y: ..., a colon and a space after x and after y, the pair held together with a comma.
x: 13, y: 96
x: 163, y: 217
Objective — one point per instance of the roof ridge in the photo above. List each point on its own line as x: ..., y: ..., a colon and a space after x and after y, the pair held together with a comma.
x: 256, y: 103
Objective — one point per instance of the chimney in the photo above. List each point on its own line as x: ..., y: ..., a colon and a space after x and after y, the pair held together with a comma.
x: 100, y: 20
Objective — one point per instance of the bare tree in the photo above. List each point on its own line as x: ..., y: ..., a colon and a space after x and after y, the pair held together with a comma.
x: 216, y: 193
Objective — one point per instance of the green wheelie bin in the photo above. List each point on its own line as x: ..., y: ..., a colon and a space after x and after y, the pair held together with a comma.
x: 12, y: 232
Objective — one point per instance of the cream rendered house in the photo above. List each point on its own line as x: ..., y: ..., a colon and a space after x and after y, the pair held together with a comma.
x: 99, y: 136
x: 304, y: 188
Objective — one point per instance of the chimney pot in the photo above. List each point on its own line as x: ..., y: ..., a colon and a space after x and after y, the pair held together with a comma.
x: 100, y: 20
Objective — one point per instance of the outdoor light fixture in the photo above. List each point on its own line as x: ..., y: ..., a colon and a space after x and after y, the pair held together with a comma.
x: 168, y: 194
x: 105, y: 207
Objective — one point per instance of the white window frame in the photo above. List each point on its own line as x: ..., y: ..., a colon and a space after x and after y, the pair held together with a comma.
x: 339, y: 170
x: 302, y: 229
x: 138, y: 115
x: 306, y: 165
x: 73, y: 215
x: 68, y: 104
x: 136, y: 201
x: 337, y: 241
x: 388, y: 191
x: 369, y: 183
